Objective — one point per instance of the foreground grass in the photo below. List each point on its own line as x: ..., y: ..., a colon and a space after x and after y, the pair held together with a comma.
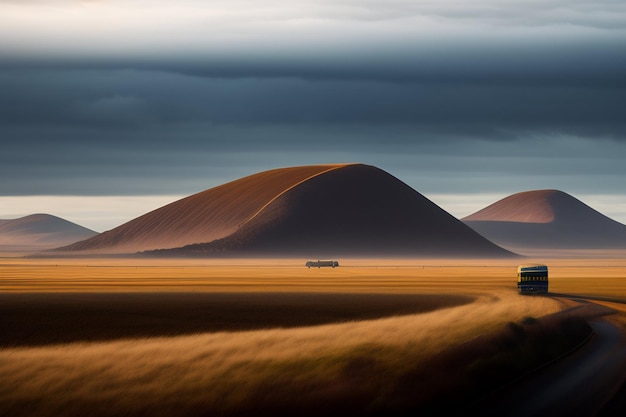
x: 428, y: 362
x: 43, y: 318
x: 376, y: 367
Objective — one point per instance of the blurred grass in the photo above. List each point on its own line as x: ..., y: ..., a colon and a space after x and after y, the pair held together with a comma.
x: 364, y: 380
x: 387, y: 366
x: 424, y: 363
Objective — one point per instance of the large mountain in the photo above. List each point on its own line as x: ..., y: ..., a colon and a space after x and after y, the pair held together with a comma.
x: 40, y: 231
x: 312, y: 211
x: 546, y: 219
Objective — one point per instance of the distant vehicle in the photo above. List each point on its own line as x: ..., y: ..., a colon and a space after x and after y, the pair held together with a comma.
x: 532, y: 279
x: 320, y: 264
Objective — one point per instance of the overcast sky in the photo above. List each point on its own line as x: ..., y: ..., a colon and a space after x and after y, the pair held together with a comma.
x: 130, y: 104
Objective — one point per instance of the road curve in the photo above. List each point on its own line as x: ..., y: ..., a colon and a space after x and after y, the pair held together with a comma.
x: 581, y: 384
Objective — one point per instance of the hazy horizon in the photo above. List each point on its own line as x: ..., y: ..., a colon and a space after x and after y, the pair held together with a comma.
x: 102, y: 213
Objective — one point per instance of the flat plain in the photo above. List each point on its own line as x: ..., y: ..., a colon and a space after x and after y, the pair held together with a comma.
x: 134, y: 336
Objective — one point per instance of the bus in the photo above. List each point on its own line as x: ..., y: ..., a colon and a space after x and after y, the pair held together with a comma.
x: 532, y: 279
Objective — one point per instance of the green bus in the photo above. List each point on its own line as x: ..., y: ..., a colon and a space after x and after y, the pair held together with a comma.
x: 532, y: 279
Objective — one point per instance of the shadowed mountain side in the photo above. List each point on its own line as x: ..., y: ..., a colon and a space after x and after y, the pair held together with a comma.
x: 355, y: 211
x: 546, y: 219
x: 40, y: 231
x: 525, y: 207
x: 201, y: 217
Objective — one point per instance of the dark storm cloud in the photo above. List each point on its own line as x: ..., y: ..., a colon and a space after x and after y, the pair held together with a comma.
x: 140, y: 99
x: 594, y: 60
x: 146, y: 101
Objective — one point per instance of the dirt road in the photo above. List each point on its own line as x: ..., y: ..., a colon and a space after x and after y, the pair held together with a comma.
x: 586, y: 383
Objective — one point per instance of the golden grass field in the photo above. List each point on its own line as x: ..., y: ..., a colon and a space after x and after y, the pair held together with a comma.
x: 149, y: 337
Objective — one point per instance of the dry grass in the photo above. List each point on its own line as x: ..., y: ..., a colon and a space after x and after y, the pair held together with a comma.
x: 40, y: 318
x: 387, y: 365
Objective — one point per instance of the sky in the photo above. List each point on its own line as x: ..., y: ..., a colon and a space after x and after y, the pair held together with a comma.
x: 112, y: 108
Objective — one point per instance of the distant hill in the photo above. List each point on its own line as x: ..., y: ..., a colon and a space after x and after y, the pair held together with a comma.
x: 312, y: 211
x: 546, y: 219
x: 40, y: 231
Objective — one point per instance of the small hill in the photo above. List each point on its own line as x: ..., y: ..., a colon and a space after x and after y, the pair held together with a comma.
x: 312, y: 211
x: 39, y: 232
x: 546, y: 219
